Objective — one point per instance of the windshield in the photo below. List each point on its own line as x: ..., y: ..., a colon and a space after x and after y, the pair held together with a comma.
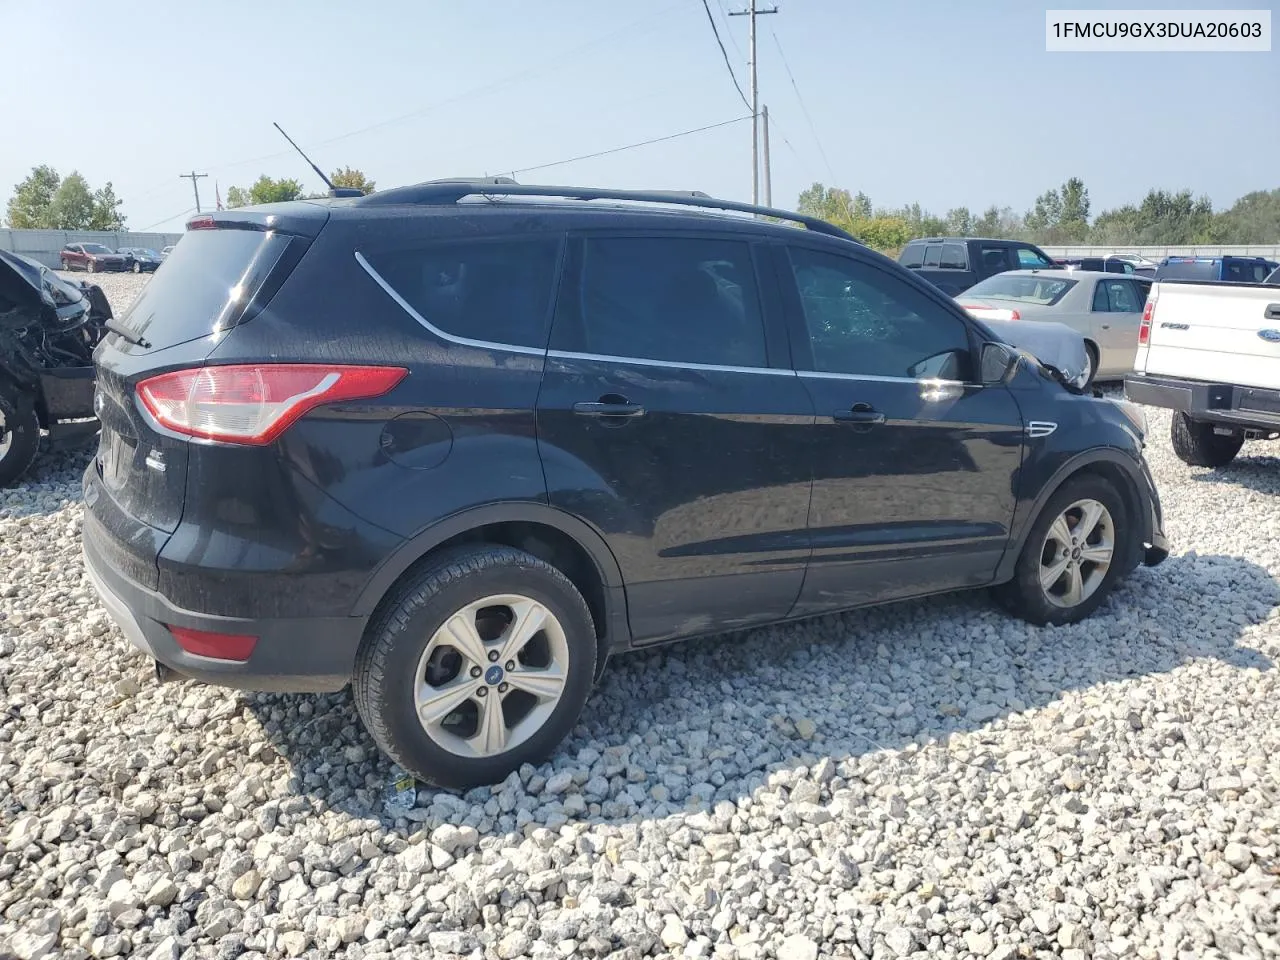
x: 95, y: 248
x: 146, y: 251
x: 1024, y: 288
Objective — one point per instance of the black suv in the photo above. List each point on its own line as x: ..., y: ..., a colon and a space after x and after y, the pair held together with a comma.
x: 458, y: 443
x: 954, y: 264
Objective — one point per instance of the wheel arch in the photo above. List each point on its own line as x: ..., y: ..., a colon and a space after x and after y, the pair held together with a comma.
x: 564, y: 541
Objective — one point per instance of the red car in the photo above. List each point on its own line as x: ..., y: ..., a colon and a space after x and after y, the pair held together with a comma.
x: 93, y: 257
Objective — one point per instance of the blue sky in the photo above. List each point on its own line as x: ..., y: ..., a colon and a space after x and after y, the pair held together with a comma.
x: 932, y: 101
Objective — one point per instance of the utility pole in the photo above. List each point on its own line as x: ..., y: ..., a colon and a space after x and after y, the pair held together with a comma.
x: 768, y: 173
x: 753, y: 12
x: 193, y: 177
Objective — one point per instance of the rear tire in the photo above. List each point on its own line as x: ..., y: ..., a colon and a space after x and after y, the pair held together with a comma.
x: 1197, y: 445
x: 19, y: 433
x: 88, y: 266
x: 428, y: 713
x: 1081, y: 539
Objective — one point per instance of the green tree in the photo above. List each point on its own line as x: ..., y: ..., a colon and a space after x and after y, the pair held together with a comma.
x: 350, y: 177
x: 1046, y: 214
x: 106, y: 213
x: 28, y: 208
x: 1254, y: 218
x: 266, y: 190
x: 959, y: 222
x: 1073, y: 219
x: 237, y: 197
x: 72, y: 204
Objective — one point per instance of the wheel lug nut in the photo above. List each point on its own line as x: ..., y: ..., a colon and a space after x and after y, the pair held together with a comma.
x: 482, y: 692
x: 502, y: 688
x: 493, y: 655
x: 511, y: 664
x: 476, y: 671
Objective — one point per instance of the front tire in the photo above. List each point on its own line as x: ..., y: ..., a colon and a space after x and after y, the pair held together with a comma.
x: 1073, y: 555
x: 19, y: 433
x: 1091, y: 374
x: 137, y: 267
x: 478, y: 664
x: 1198, y: 445
x: 89, y: 267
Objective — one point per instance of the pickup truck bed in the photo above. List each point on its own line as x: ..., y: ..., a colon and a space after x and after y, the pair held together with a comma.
x: 1211, y: 353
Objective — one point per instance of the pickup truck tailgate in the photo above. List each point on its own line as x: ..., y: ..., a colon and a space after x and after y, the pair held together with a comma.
x: 1224, y: 332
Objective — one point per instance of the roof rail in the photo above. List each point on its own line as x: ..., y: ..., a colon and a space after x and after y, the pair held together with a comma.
x: 451, y: 191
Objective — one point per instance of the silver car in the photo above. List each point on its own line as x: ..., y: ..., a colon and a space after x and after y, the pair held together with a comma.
x: 1104, y: 308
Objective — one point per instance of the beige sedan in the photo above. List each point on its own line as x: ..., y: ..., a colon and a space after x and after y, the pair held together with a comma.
x: 1104, y: 308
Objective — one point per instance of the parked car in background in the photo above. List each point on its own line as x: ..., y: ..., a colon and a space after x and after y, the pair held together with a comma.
x: 93, y: 257
x: 1143, y: 266
x: 1099, y: 264
x: 459, y: 511
x: 1214, y: 269
x: 141, y: 259
x: 1273, y: 279
x: 164, y: 253
x: 1210, y: 352
x: 954, y: 264
x: 1104, y: 308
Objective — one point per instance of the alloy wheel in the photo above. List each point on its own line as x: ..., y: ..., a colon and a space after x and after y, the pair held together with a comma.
x: 1077, y: 553
x: 491, y: 675
x: 6, y: 436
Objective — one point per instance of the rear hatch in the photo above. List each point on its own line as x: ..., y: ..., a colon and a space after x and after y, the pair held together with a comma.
x: 1219, y: 332
x: 223, y: 272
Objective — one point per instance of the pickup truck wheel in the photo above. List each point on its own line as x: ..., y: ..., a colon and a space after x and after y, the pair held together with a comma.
x: 478, y: 664
x: 1198, y: 445
x: 1072, y: 557
x: 19, y: 433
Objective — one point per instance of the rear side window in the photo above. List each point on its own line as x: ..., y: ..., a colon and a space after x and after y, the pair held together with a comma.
x: 206, y: 283
x: 994, y: 259
x: 497, y: 291
x: 953, y: 257
x: 1244, y: 272
x: 677, y: 299
x: 912, y: 255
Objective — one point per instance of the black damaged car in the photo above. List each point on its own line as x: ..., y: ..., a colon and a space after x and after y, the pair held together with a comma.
x: 456, y: 444
x: 49, y: 328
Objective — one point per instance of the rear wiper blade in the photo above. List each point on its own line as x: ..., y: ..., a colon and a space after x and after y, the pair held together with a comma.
x: 128, y: 335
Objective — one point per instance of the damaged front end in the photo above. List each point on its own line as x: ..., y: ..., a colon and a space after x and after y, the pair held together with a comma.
x: 49, y: 328
x: 1058, y: 349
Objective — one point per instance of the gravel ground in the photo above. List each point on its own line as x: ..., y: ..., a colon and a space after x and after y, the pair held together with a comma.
x: 929, y: 779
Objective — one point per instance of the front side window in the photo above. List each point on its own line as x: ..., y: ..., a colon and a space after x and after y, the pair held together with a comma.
x: 862, y: 320
x: 1029, y: 259
x: 496, y: 291
x: 994, y: 259
x: 674, y: 299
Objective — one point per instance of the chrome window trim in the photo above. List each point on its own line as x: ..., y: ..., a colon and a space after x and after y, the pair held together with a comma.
x: 926, y: 381
x: 451, y: 338
x: 676, y: 364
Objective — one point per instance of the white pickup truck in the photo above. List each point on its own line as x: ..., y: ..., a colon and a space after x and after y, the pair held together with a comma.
x: 1211, y: 353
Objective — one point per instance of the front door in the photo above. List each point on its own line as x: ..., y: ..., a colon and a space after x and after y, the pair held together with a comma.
x: 913, y: 462
x: 670, y: 421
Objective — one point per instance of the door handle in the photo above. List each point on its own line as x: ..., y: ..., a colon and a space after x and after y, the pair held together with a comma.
x: 608, y: 407
x: 859, y: 413
x: 1273, y: 311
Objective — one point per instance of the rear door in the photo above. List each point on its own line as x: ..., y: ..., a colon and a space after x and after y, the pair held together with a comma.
x: 1117, y: 313
x: 670, y: 420
x: 914, y: 464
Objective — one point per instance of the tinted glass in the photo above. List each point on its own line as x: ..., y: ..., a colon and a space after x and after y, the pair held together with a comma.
x: 953, y: 257
x: 1188, y: 270
x: 932, y: 255
x: 95, y: 248
x: 205, y: 285
x: 912, y: 255
x: 1029, y: 258
x: 1100, y: 302
x: 1274, y: 278
x: 994, y: 259
x: 1124, y: 299
x: 1144, y: 290
x: 863, y: 320
x: 684, y: 300
x: 1025, y: 288
x: 495, y: 291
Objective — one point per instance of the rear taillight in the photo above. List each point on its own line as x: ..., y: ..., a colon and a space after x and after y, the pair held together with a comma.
x: 1144, y: 328
x: 205, y: 222
x: 255, y: 403
x: 218, y: 646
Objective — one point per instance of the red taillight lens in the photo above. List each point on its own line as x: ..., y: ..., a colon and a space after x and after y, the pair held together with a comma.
x: 202, y: 223
x: 1014, y: 315
x: 255, y: 403
x: 219, y: 646
x: 1144, y: 328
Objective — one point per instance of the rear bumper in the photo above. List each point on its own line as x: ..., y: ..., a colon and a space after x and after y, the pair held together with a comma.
x: 292, y: 655
x: 1224, y: 403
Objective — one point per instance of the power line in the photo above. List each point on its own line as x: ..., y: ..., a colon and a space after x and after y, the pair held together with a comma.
x: 630, y: 146
x: 803, y: 109
x: 167, y: 219
x: 724, y: 53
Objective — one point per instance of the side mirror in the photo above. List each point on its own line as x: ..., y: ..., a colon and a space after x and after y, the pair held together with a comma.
x: 998, y: 362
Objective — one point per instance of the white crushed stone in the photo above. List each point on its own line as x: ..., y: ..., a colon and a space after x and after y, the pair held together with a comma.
x: 929, y: 779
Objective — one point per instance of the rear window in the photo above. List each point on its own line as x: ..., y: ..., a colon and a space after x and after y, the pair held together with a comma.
x: 932, y: 255
x: 206, y: 283
x: 496, y: 291
x: 1188, y: 270
x: 1024, y: 288
x: 953, y: 257
x: 912, y: 255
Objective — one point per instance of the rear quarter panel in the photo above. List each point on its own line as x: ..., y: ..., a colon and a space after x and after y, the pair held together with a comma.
x: 1216, y: 332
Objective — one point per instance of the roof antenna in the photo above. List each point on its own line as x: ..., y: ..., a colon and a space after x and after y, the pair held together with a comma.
x: 333, y: 191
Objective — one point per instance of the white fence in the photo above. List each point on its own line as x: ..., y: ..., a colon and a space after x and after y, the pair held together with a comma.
x: 43, y: 245
x: 1269, y: 250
